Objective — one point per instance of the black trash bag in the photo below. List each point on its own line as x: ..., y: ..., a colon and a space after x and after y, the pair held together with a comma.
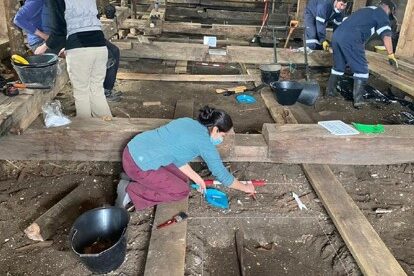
x: 110, y: 11
x: 402, y: 118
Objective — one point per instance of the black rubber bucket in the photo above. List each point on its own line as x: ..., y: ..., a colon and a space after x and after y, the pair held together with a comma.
x: 42, y: 69
x: 270, y: 72
x: 98, y: 237
x: 310, y: 93
x: 287, y: 92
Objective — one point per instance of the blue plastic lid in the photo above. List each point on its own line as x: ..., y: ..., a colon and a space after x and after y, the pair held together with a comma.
x: 246, y: 99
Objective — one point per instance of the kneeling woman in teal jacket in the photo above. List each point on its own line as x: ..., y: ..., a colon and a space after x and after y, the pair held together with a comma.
x: 157, y: 160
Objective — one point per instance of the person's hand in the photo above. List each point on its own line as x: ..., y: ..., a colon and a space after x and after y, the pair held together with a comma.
x: 249, y: 189
x: 62, y: 53
x: 392, y: 60
x: 41, y: 49
x: 202, y: 186
x: 325, y: 45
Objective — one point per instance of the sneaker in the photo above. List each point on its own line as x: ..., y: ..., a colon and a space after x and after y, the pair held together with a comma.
x: 122, y: 199
x: 111, y: 97
x: 113, y: 92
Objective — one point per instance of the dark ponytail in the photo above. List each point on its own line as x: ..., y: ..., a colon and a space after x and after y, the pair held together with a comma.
x: 211, y: 117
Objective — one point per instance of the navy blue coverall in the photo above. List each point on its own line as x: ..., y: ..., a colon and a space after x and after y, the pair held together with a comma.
x: 317, y: 15
x: 348, y: 41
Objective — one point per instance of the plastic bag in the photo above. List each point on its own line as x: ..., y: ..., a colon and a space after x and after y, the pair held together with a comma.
x: 53, y: 116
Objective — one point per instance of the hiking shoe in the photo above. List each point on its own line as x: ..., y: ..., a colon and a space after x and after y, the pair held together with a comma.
x: 112, y: 98
x: 113, y: 92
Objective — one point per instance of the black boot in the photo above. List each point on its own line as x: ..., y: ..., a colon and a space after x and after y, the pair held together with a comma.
x: 331, y: 87
x: 358, y: 93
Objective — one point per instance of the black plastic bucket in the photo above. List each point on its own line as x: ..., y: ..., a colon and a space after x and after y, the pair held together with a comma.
x: 270, y: 72
x: 287, y: 92
x: 42, y: 69
x: 310, y: 93
x: 98, y: 237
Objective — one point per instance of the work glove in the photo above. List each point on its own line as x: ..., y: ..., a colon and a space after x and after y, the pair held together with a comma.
x: 392, y: 60
x: 325, y: 45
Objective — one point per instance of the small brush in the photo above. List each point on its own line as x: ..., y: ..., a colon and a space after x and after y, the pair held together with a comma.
x: 175, y: 219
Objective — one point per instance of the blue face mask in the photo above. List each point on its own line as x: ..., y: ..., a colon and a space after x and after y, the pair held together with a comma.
x: 216, y: 141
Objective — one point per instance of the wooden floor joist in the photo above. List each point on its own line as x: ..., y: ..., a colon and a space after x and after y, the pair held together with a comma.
x: 17, y: 113
x: 97, y: 140
x: 167, y: 248
x: 184, y: 77
x: 370, y: 252
x: 230, y: 54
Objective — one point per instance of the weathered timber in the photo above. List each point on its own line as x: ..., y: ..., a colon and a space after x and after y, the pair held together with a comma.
x: 401, y: 79
x: 362, y: 240
x: 220, y: 30
x: 20, y: 111
x: 405, y: 44
x: 185, y: 78
x: 166, y: 252
x: 66, y: 209
x: 16, y: 39
x: 370, y: 252
x: 312, y: 144
x: 97, y: 140
x: 110, y: 26
x: 230, y: 54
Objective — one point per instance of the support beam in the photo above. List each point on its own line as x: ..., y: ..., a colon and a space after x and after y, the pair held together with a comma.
x: 166, y: 252
x: 16, y: 40
x: 358, y: 4
x: 97, y: 140
x: 405, y: 44
x: 185, y: 77
x: 230, y: 54
x: 17, y: 113
x: 370, y: 252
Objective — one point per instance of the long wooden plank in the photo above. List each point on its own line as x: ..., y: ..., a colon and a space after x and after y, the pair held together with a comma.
x: 166, y: 252
x: 97, y: 140
x: 230, y: 54
x: 405, y: 42
x: 20, y: 111
x: 184, y: 77
x: 370, y: 252
x: 362, y: 240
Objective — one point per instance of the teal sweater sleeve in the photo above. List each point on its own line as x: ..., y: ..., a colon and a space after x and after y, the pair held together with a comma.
x: 178, y: 142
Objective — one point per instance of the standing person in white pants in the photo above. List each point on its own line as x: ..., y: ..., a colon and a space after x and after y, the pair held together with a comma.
x: 76, y: 21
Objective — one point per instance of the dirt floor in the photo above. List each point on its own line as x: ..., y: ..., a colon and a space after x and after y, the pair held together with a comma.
x: 279, y: 239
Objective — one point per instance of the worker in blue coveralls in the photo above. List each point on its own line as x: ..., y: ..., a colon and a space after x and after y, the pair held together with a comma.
x: 317, y: 15
x: 348, y: 44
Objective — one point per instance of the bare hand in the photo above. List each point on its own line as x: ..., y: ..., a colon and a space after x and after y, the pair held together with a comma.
x: 62, y: 53
x: 41, y: 49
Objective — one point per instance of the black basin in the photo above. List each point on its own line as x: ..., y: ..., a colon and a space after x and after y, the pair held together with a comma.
x: 287, y: 92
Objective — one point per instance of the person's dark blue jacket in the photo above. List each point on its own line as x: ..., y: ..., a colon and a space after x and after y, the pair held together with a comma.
x: 318, y: 13
x: 31, y: 17
x: 362, y: 24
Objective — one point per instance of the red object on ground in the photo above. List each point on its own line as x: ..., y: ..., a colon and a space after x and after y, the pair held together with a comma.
x: 255, y: 182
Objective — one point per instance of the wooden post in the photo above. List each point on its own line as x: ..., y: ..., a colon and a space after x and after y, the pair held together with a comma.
x: 300, y: 10
x: 358, y: 4
x: 3, y: 26
x: 405, y: 44
x: 15, y: 34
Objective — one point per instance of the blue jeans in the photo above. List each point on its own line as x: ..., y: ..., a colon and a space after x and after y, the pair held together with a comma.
x: 112, y: 65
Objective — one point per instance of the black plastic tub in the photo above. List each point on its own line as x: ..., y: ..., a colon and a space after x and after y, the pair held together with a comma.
x: 270, y: 72
x: 98, y: 237
x: 42, y: 69
x: 286, y: 92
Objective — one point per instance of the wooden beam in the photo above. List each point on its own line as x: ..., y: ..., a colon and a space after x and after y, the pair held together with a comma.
x: 230, y: 54
x: 110, y: 26
x: 401, y: 78
x: 358, y: 4
x: 19, y: 112
x: 185, y: 77
x: 97, y: 140
x: 3, y: 24
x: 16, y: 39
x: 304, y: 143
x: 166, y: 252
x: 224, y: 31
x: 405, y: 46
x: 370, y: 252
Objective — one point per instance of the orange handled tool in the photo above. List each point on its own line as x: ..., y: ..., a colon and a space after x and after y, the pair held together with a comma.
x: 255, y: 182
x: 293, y: 25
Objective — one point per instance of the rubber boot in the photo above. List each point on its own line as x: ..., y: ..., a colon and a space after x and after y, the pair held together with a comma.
x: 358, y: 92
x: 331, y: 87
